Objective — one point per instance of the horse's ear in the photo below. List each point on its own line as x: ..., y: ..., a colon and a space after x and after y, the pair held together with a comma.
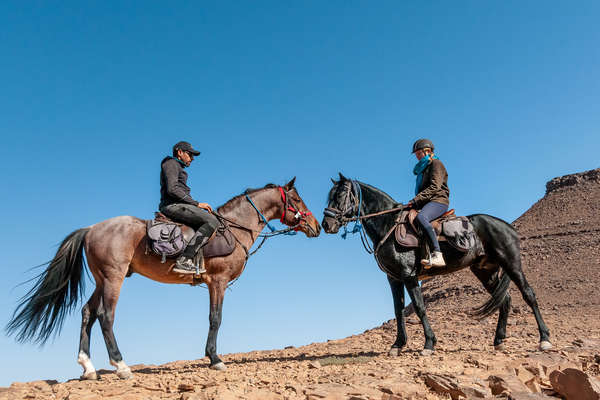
x: 342, y: 177
x: 333, y: 181
x: 290, y: 184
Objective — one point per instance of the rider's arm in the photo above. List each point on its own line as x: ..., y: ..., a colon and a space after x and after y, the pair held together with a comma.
x: 438, y: 173
x: 174, y: 188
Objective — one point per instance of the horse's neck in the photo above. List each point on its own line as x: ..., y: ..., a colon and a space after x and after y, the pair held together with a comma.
x: 241, y: 211
x: 375, y: 201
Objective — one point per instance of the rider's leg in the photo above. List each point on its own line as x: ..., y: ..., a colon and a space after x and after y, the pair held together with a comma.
x: 203, y: 223
x: 428, y: 213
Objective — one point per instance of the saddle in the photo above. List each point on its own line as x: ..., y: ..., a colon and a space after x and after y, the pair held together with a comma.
x: 455, y: 230
x: 221, y: 244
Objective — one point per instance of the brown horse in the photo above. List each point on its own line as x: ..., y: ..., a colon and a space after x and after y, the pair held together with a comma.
x: 117, y: 247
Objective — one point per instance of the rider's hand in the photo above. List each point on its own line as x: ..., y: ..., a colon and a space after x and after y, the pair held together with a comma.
x: 205, y: 206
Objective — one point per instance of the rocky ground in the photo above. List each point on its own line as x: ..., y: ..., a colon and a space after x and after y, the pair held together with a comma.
x: 561, y: 258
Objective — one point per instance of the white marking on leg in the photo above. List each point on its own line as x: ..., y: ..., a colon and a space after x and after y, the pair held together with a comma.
x: 123, y: 371
x: 86, y: 363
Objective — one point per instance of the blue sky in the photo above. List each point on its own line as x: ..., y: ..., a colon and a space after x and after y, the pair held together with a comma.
x: 96, y: 93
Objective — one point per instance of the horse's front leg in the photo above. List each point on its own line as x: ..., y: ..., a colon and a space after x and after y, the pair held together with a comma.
x: 398, y: 296
x: 416, y: 296
x: 216, y: 290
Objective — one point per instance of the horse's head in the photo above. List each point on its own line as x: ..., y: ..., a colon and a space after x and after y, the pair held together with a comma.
x: 342, y: 203
x: 296, y: 213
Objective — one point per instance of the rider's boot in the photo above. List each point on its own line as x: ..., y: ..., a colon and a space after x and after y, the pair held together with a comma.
x: 191, y: 261
x: 435, y: 260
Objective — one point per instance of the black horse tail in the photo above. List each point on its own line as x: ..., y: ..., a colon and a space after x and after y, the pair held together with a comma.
x: 499, y: 295
x: 56, y: 292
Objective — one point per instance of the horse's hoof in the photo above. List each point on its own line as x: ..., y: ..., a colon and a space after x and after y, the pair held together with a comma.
x: 394, y: 352
x: 500, y: 347
x: 124, y: 373
x: 426, y: 352
x: 220, y: 366
x: 90, y: 376
x: 545, y: 345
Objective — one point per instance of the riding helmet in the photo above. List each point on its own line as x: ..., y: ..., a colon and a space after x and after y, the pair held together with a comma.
x: 423, y: 144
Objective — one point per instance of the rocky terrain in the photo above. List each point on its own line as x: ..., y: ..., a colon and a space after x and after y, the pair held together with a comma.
x: 561, y: 258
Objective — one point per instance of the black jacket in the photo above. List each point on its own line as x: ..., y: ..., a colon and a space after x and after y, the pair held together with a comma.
x: 173, y: 183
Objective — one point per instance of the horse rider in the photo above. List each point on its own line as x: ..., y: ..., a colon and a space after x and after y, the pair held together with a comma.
x: 177, y: 204
x: 432, y: 195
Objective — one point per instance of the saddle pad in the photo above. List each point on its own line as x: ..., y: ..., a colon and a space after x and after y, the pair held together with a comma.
x: 221, y: 245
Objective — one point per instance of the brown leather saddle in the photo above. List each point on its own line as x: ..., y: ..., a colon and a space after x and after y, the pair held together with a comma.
x: 406, y: 231
x: 221, y: 244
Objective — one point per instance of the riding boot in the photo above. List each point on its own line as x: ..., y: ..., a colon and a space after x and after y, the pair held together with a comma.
x: 435, y: 260
x: 190, y: 262
x: 199, y: 257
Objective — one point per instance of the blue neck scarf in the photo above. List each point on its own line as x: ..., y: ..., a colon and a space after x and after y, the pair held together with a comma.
x: 420, y: 167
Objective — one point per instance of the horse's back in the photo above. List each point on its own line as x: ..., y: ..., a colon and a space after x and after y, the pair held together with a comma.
x: 497, y: 235
x: 115, y: 239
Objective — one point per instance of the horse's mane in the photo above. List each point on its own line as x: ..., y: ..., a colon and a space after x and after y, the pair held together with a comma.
x: 366, y: 185
x: 378, y: 191
x: 224, y: 207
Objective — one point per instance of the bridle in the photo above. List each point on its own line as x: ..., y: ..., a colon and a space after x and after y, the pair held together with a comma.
x: 352, y: 210
x: 299, y: 215
x: 352, y: 205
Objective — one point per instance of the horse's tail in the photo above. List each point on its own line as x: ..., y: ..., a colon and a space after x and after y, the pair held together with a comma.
x: 56, y: 292
x: 499, y: 295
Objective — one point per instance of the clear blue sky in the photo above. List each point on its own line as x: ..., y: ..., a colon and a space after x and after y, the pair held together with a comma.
x: 94, y: 94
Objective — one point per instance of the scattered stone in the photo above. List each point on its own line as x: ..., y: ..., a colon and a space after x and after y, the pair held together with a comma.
x: 506, y: 384
x: 574, y: 384
x: 185, y: 387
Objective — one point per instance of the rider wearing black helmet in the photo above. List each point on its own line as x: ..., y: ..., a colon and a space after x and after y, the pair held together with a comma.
x: 432, y: 195
x: 177, y: 204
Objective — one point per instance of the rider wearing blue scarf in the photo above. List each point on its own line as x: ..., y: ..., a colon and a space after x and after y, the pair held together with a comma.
x: 432, y: 195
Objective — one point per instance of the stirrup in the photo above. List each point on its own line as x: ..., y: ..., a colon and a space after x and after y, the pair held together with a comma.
x: 184, y: 265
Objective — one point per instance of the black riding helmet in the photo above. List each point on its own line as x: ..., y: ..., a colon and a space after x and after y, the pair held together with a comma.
x: 422, y: 144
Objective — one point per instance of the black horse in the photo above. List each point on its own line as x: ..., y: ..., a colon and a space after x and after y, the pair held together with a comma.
x: 501, y: 247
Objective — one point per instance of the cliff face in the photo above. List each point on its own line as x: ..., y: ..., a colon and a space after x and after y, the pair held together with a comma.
x: 571, y: 206
x: 581, y: 180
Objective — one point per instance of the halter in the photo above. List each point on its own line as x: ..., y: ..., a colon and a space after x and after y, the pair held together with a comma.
x: 299, y: 216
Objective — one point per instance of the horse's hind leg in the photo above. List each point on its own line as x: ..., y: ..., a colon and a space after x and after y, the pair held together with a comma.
x: 489, y: 279
x: 416, y: 296
x: 106, y: 316
x: 515, y: 272
x: 88, y: 317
